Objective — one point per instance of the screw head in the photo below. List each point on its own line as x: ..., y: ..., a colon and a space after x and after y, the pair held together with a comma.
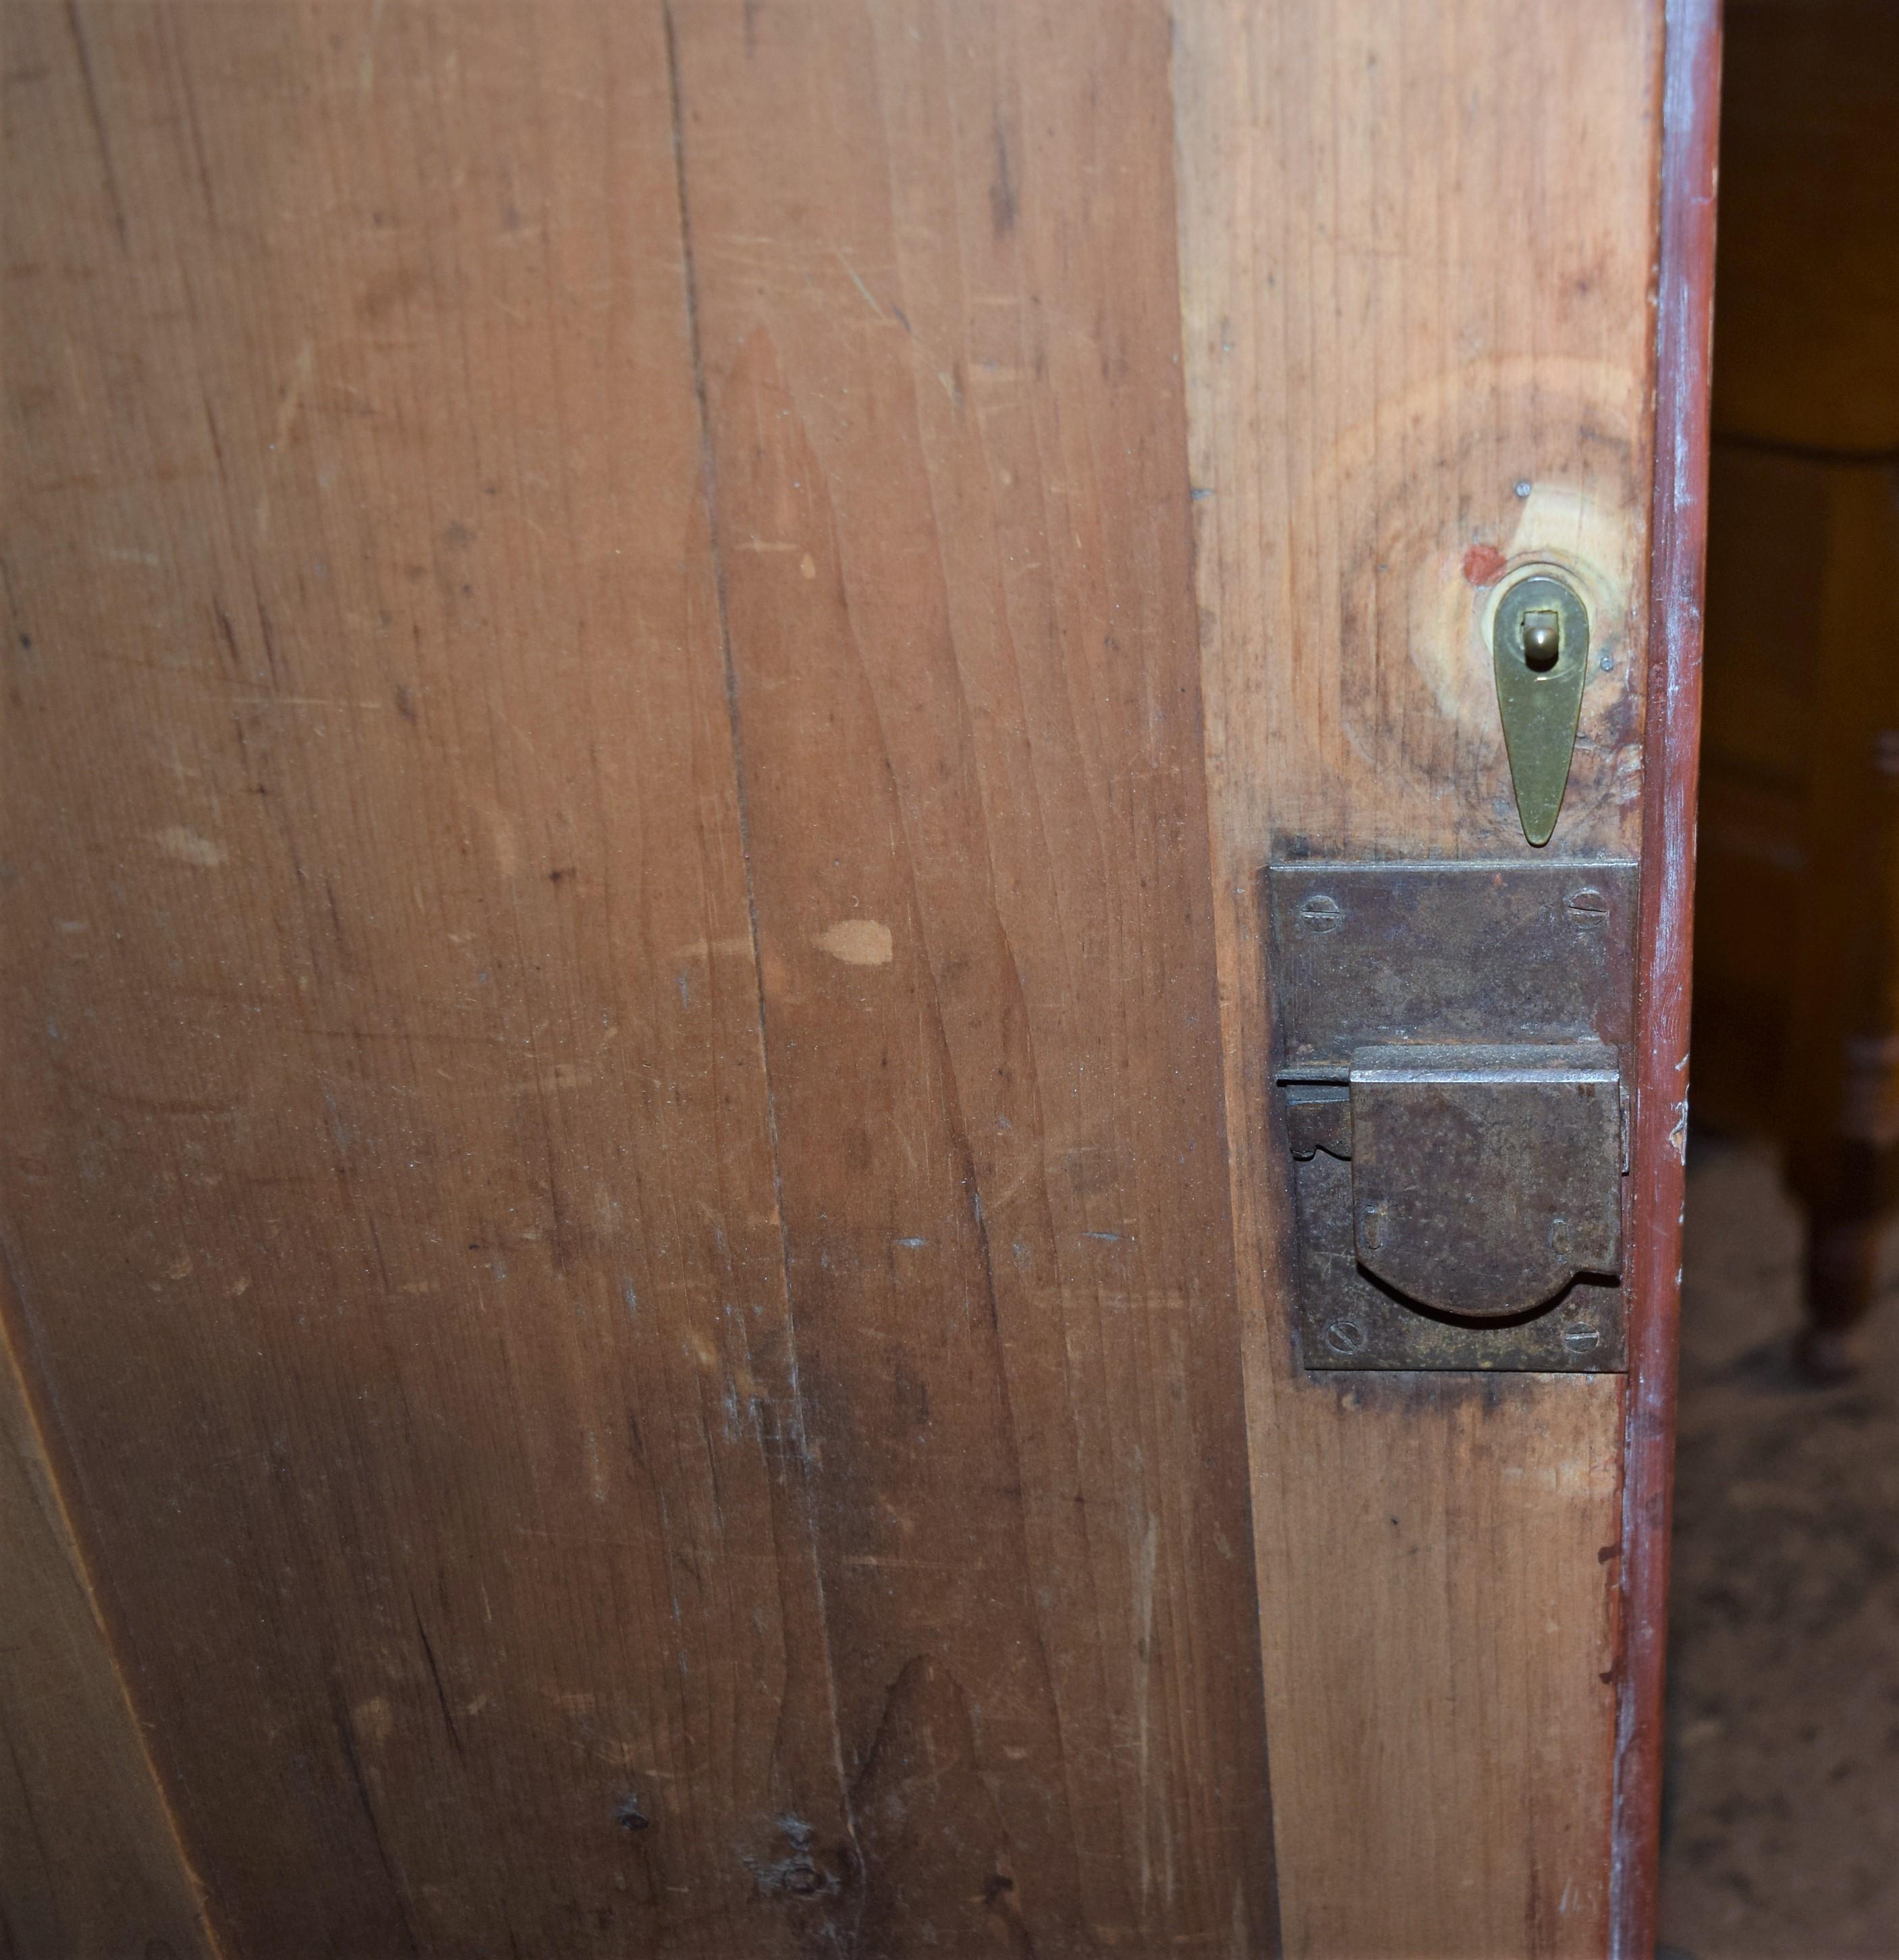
x: 1587, y: 906
x: 1345, y: 1337
x: 1321, y: 912
x: 1581, y: 1338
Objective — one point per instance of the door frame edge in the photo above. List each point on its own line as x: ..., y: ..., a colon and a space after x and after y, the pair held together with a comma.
x: 1691, y: 116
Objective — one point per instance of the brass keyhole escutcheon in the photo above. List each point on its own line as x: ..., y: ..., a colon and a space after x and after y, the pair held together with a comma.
x: 1540, y: 644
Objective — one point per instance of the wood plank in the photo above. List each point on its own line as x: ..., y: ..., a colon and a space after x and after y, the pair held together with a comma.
x: 938, y: 309
x: 90, y: 1866
x: 389, y: 1178
x: 1417, y: 350
x: 432, y: 1399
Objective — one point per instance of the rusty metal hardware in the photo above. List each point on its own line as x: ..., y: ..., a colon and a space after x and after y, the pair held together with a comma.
x: 1485, y: 1179
x: 1539, y: 643
x: 1451, y: 1084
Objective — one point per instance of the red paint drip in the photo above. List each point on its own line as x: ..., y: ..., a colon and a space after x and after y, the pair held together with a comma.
x: 1483, y: 565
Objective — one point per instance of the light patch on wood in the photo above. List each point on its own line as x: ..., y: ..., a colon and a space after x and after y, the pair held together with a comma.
x: 190, y: 847
x: 293, y: 395
x: 739, y: 945
x: 1587, y: 538
x: 501, y: 836
x: 858, y: 942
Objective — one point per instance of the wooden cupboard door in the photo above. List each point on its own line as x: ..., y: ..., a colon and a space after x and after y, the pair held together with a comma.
x: 652, y: 652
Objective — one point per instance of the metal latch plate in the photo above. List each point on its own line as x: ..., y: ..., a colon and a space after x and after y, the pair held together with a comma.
x: 1508, y: 951
x: 1450, y: 1082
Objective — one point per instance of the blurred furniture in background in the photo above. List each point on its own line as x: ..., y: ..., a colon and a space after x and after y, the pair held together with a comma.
x: 1797, y: 938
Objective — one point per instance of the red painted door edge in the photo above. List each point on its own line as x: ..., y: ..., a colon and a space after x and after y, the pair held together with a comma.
x: 1691, y: 70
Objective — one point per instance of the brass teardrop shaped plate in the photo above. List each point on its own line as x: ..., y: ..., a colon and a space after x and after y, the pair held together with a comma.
x: 1541, y: 705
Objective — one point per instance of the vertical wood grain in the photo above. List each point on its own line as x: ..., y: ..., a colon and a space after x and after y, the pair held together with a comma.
x: 388, y: 1169
x: 615, y: 1159
x: 651, y: 654
x: 90, y: 1866
x: 935, y: 288
x: 1416, y: 247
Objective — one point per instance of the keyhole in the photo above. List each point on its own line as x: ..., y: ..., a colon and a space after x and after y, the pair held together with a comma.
x: 1542, y: 639
x: 1539, y: 652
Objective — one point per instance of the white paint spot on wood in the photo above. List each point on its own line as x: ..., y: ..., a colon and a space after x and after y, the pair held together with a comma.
x: 858, y: 942
x: 176, y: 841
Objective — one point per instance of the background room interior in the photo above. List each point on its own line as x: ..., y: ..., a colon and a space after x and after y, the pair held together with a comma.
x: 1781, y: 1826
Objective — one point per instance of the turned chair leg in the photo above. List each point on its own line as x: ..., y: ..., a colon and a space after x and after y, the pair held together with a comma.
x: 1843, y: 1221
